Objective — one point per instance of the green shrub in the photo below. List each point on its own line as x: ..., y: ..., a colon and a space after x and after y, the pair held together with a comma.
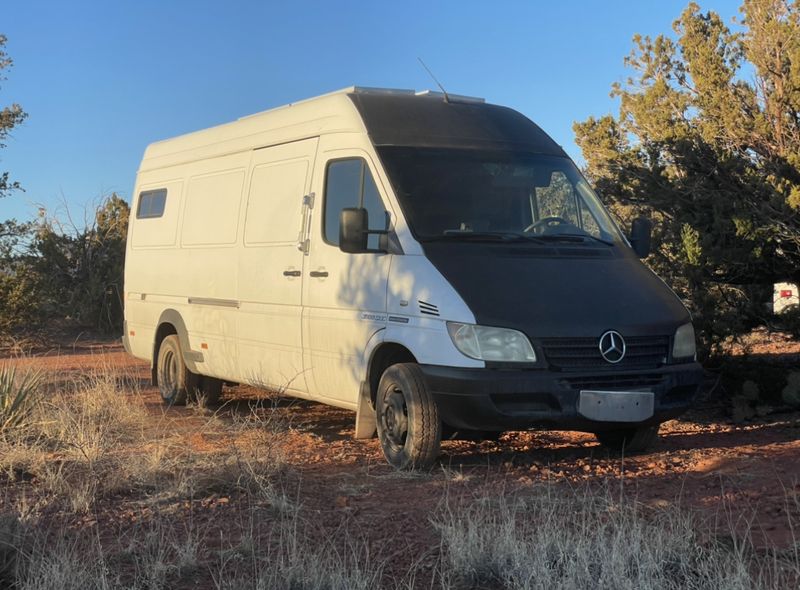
x: 791, y: 393
x: 755, y: 381
x: 789, y: 320
x: 705, y: 152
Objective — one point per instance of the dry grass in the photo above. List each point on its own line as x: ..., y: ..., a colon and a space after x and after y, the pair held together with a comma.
x: 592, y: 540
x: 292, y: 558
x: 161, y: 554
x: 91, y: 440
x: 543, y: 541
x: 92, y: 444
x: 94, y: 437
x: 151, y: 557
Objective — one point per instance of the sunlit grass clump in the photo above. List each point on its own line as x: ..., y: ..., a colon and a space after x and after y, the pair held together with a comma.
x: 18, y: 391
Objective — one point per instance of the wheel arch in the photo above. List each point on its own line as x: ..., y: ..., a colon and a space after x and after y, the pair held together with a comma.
x: 170, y: 322
x: 383, y: 356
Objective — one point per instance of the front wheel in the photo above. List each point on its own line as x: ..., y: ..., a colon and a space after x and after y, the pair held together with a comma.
x: 629, y: 439
x: 409, y: 427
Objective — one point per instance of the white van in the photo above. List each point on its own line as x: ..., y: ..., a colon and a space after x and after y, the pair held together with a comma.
x: 435, y: 263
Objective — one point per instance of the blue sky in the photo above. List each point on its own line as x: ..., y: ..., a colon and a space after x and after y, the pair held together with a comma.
x: 101, y: 80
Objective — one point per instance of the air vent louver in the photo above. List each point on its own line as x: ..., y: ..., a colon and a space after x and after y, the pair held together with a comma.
x: 428, y: 308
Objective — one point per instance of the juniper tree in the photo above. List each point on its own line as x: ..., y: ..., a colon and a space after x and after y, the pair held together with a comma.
x: 707, y: 141
x: 10, y: 117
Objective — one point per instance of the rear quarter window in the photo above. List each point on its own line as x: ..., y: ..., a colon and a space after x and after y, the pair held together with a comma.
x: 155, y: 215
x: 151, y: 203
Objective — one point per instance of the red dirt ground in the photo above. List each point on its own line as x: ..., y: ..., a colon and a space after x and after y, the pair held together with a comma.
x: 741, y: 473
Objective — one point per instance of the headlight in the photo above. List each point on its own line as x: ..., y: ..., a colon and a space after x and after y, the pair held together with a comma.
x: 683, y: 346
x: 491, y: 344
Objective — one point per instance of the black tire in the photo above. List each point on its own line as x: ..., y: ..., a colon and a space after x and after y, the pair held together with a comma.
x: 631, y: 440
x: 175, y: 381
x: 409, y: 427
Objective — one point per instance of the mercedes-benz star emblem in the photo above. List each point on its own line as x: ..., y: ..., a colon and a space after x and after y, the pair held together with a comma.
x: 612, y: 346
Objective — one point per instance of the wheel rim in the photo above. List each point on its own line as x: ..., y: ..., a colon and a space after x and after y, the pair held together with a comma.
x: 169, y: 375
x: 394, y: 418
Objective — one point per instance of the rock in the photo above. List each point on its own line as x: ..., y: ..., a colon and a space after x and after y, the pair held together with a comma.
x: 742, y: 410
x: 763, y: 410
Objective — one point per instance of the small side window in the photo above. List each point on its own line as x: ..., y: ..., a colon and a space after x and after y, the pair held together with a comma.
x: 151, y: 203
x: 349, y: 183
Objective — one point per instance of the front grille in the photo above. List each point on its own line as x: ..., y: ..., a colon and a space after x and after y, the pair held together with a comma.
x: 571, y: 354
x: 614, y: 382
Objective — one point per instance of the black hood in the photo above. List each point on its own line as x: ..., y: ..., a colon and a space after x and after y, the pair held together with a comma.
x: 561, y: 291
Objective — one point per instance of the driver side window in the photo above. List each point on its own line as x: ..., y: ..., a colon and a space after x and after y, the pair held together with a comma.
x: 349, y: 183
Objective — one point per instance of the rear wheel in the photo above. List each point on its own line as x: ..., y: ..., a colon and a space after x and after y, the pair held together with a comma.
x: 629, y: 439
x: 175, y: 381
x: 409, y: 427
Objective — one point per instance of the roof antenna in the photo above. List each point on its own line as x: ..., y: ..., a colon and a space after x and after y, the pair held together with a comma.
x: 446, y: 98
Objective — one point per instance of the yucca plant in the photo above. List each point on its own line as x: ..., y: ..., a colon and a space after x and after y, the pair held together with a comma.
x: 16, y: 396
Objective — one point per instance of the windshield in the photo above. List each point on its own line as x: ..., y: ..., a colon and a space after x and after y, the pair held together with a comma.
x: 461, y: 194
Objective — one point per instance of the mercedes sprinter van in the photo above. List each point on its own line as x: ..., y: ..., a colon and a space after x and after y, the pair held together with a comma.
x: 434, y: 263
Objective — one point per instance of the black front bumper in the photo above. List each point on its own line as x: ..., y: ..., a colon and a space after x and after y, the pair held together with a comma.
x: 516, y: 399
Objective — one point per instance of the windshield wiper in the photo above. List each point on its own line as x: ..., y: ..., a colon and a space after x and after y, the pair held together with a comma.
x: 574, y: 238
x: 485, y: 236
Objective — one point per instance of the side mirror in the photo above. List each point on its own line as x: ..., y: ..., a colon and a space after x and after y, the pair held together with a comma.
x: 353, y: 224
x: 641, y: 230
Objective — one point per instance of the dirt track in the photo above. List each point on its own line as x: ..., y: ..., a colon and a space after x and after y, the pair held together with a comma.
x: 741, y: 474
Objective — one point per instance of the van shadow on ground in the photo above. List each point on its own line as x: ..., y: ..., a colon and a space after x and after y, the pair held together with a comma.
x: 712, y: 435
x: 328, y: 423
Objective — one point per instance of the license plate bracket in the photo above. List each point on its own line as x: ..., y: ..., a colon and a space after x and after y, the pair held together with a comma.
x: 616, y: 406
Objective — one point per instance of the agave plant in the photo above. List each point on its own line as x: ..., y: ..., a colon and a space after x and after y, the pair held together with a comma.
x: 16, y: 396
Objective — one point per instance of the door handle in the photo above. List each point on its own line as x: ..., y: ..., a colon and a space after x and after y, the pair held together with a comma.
x: 318, y: 274
x: 292, y: 273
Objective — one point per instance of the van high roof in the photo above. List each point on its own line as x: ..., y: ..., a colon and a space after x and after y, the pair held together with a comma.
x: 391, y: 117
